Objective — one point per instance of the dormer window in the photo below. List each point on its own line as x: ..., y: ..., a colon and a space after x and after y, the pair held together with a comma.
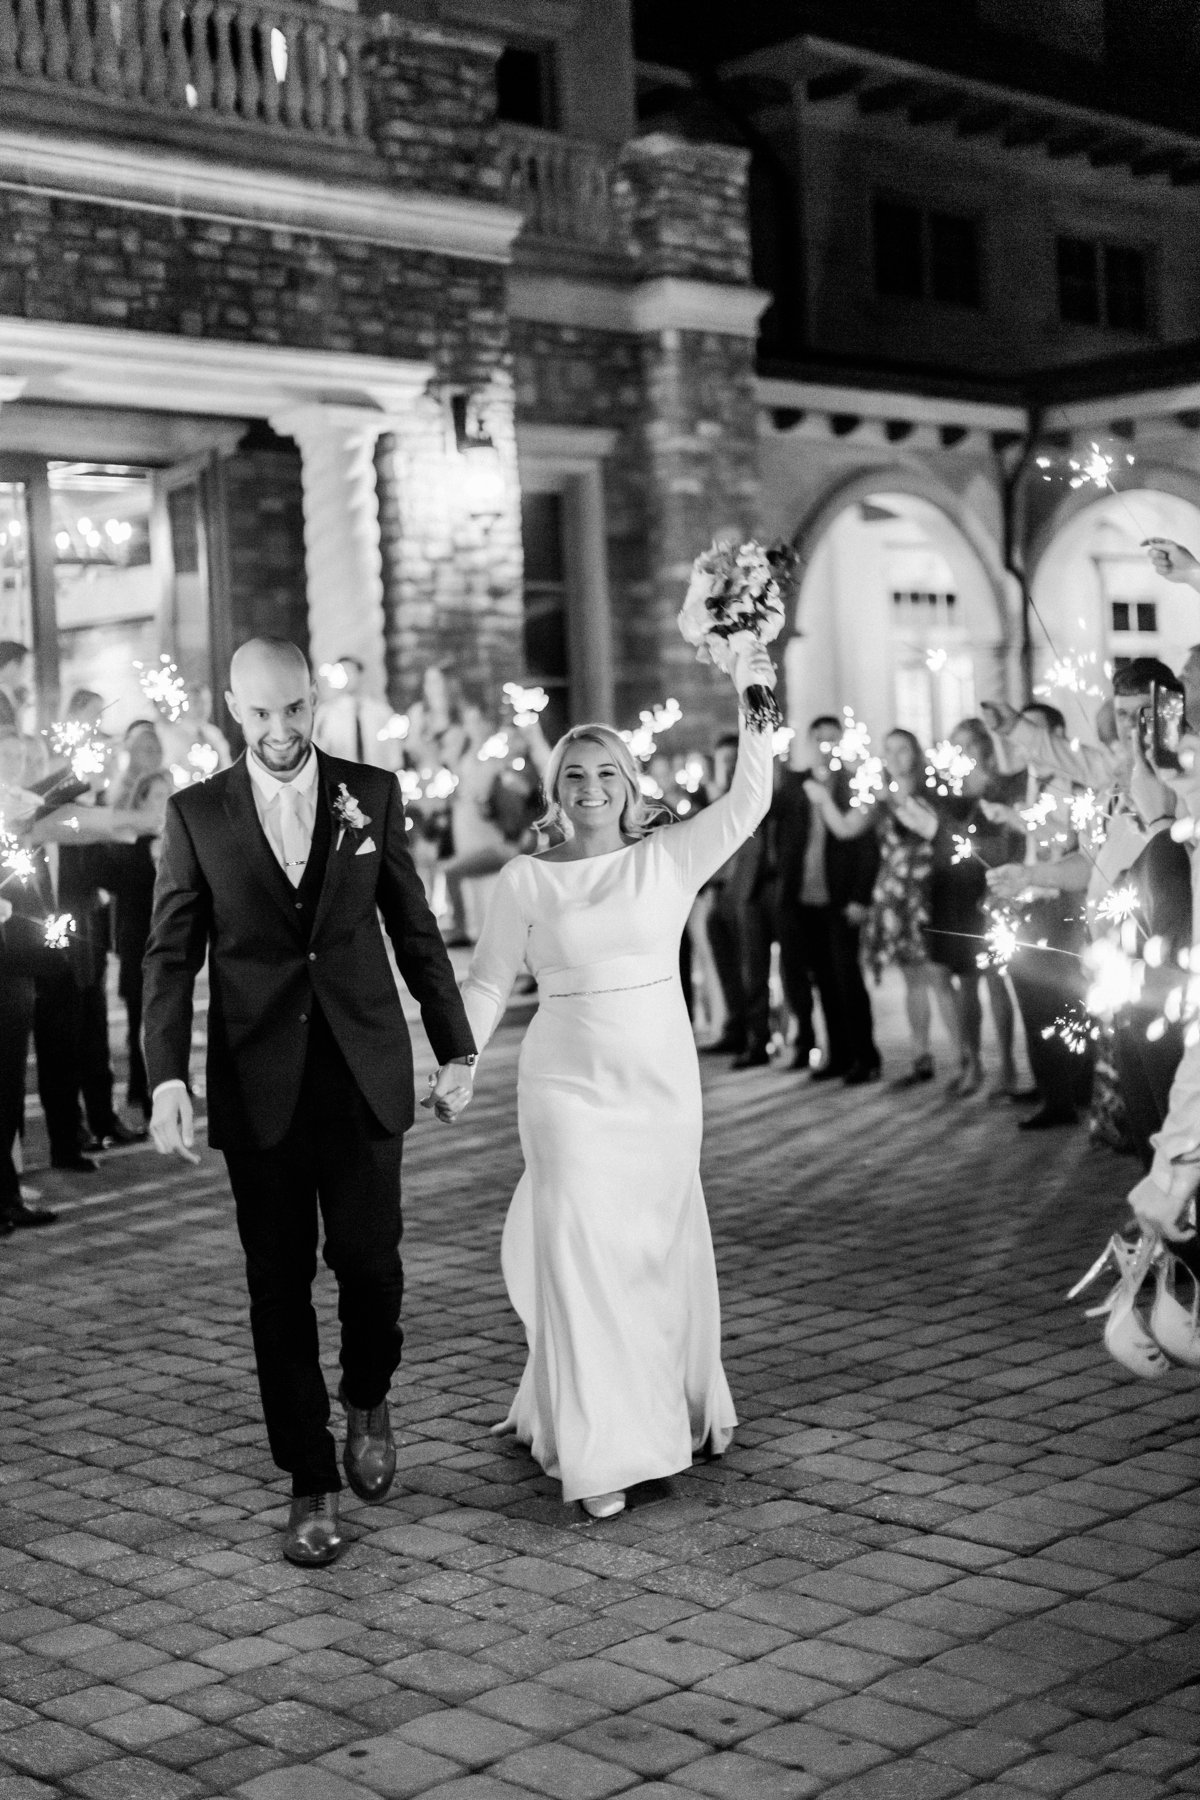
x: 526, y: 85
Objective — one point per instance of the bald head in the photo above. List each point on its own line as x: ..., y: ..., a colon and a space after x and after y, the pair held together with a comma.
x: 271, y: 695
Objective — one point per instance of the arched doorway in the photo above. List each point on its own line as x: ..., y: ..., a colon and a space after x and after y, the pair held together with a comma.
x: 897, y: 617
x: 1097, y: 601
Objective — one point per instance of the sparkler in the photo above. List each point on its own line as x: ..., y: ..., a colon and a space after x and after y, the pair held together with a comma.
x: 334, y: 675
x: 1069, y: 674
x: 202, y: 761
x: 948, y: 768
x: 81, y: 746
x: 527, y: 703
x: 1118, y: 905
x: 866, y: 782
x: 1117, y: 978
x: 1097, y: 469
x: 1074, y: 1032
x: 936, y: 660
x: 17, y: 861
x: 1001, y: 943
x: 691, y: 776
x: 494, y: 749
x: 1087, y: 818
x: 396, y: 729
x: 643, y: 739
x: 781, y: 740
x: 964, y: 849
x: 58, y: 929
x: 854, y: 745
x: 164, y: 686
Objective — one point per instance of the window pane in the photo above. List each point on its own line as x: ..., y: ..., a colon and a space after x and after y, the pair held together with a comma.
x: 1125, y: 288
x: 107, y: 594
x: 1120, y: 615
x: 16, y: 595
x: 1078, y: 282
x: 545, y: 605
x: 1147, y: 616
x: 954, y: 260
x: 525, y: 86
x: 898, y: 255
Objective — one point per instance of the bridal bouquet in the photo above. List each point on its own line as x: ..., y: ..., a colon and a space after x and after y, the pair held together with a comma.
x: 735, y: 599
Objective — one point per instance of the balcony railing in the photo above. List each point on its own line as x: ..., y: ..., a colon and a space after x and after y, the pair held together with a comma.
x: 266, y: 63
x: 564, y: 186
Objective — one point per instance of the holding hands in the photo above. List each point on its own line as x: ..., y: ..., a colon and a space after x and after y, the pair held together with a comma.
x: 450, y: 1091
x: 172, y: 1122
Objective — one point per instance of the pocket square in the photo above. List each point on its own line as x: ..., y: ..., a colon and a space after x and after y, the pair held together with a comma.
x: 366, y: 847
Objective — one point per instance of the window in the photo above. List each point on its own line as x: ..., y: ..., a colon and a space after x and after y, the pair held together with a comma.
x: 547, y: 655
x: 920, y: 255
x: 1102, y: 284
x: 1135, y: 615
x: 526, y: 89
x: 953, y: 260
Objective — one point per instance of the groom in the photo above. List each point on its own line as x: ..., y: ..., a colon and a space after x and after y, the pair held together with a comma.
x: 279, y: 869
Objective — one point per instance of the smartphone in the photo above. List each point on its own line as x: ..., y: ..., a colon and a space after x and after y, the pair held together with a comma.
x: 1166, y: 727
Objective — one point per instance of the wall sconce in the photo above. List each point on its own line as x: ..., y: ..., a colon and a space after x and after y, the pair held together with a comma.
x: 482, y: 472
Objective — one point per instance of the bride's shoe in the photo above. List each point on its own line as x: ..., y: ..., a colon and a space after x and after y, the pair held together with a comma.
x: 1125, y: 1335
x: 1172, y: 1325
x: 604, y: 1506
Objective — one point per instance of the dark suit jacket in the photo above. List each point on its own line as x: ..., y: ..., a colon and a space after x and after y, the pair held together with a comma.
x: 850, y: 864
x: 220, y: 890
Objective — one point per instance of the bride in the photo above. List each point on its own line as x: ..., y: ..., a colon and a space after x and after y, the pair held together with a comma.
x: 606, y: 1250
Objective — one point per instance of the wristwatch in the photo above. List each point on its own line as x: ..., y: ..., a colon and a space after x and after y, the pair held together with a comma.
x: 469, y: 1060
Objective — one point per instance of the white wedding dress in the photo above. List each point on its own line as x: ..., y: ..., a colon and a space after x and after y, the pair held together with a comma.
x: 606, y: 1251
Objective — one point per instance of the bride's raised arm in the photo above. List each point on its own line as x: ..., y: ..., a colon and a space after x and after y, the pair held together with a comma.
x: 499, y: 957
x: 699, y: 846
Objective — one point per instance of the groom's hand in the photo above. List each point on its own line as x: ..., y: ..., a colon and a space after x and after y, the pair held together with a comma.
x: 172, y: 1123
x: 452, y: 1090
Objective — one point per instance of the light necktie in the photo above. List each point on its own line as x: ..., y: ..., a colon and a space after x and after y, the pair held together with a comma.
x: 291, y: 831
x: 359, y: 755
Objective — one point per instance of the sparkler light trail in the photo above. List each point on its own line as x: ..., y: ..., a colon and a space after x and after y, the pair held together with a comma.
x: 164, y: 687
x: 948, y: 768
x: 526, y: 703
x: 58, y: 929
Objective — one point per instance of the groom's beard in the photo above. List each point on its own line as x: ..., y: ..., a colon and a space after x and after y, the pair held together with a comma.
x: 282, y: 760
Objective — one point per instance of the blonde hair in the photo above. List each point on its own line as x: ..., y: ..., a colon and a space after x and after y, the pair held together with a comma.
x: 638, y: 816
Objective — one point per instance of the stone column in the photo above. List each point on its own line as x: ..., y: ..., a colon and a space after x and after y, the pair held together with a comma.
x: 684, y: 210
x: 342, y: 557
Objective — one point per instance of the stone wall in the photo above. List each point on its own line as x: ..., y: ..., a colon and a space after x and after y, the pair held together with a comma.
x: 684, y: 468
x: 684, y: 208
x: 432, y: 107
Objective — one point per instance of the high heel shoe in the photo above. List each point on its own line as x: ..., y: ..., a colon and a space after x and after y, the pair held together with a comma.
x: 1126, y: 1337
x: 604, y: 1506
x: 922, y: 1070
x: 1172, y: 1325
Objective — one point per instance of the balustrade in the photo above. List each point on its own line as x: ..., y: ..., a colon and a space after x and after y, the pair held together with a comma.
x: 267, y: 63
x: 563, y: 185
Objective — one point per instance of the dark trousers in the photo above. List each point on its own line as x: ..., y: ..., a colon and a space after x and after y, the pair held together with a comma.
x: 335, y: 1159
x: 137, y: 1091
x: 16, y: 1022
x: 1049, y: 984
x: 70, y: 1034
x: 1146, y: 1071
x: 741, y: 935
x: 820, y: 943
x: 725, y: 942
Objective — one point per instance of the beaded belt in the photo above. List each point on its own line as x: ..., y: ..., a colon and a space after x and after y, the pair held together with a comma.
x: 633, y: 988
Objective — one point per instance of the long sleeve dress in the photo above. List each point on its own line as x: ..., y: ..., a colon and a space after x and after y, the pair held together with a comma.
x: 606, y: 1251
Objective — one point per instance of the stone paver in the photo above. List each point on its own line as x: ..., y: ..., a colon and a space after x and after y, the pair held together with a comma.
x: 954, y: 1549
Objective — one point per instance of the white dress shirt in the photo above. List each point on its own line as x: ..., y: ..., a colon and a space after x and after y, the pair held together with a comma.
x: 269, y: 804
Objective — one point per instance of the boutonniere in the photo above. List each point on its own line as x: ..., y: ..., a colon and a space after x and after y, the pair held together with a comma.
x: 348, y: 813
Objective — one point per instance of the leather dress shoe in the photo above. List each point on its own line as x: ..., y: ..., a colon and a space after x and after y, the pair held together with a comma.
x: 76, y: 1162
x: 312, y: 1538
x: 1045, y: 1119
x: 369, y: 1458
x: 18, y: 1215
x: 828, y: 1072
x: 858, y: 1074
x: 116, y: 1133
x: 755, y: 1056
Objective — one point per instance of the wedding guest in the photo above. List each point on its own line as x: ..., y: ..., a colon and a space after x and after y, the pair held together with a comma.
x: 22, y: 952
x: 15, y: 662
x: 142, y: 755
x: 352, y: 724
x: 971, y: 840
x: 607, y: 1252
x: 723, y: 923
x: 127, y: 872
x: 824, y: 887
x: 895, y: 932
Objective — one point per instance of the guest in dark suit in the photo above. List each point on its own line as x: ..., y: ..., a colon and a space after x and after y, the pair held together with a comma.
x: 280, y: 868
x: 824, y: 888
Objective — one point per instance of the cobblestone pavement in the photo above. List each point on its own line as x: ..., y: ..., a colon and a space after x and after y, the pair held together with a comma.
x: 954, y: 1549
